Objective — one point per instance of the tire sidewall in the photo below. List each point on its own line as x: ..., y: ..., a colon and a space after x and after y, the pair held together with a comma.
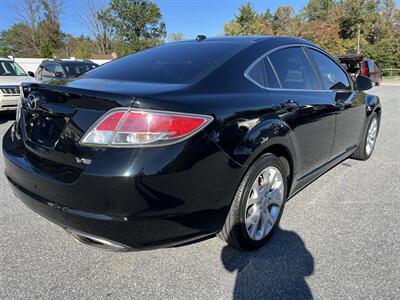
x: 267, y: 160
x: 373, y: 116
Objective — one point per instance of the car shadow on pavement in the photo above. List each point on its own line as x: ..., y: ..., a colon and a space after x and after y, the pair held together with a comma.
x: 276, y: 271
x: 7, y: 116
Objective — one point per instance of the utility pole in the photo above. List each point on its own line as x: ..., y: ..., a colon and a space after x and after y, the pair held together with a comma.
x: 358, y: 38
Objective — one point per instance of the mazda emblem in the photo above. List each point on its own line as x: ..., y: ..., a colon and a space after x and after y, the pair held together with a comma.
x: 32, y: 102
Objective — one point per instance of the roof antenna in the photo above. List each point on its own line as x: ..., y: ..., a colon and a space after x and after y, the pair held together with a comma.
x: 200, y: 38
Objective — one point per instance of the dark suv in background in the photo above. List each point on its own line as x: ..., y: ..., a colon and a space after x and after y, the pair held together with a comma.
x: 371, y: 70
x: 49, y: 70
x: 356, y: 64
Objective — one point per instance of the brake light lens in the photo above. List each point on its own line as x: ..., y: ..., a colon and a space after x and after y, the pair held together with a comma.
x: 364, y: 70
x: 130, y: 128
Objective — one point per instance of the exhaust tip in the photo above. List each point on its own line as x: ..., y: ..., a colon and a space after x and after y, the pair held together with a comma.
x: 97, y: 242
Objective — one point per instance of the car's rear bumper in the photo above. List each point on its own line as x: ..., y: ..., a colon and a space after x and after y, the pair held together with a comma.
x: 179, y: 203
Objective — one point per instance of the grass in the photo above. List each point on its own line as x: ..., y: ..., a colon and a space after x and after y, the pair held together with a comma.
x: 391, y: 78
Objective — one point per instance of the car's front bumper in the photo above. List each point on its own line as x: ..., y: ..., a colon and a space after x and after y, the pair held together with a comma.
x: 185, y: 200
x: 8, y: 102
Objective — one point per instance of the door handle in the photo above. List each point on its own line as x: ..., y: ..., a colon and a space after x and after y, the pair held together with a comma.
x: 290, y: 106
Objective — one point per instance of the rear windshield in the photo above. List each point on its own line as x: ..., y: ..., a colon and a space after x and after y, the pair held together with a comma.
x: 170, y: 63
x: 75, y: 70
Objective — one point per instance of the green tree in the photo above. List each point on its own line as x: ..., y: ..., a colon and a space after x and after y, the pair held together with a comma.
x: 284, y: 21
x: 357, y: 14
x: 83, y: 51
x: 248, y: 22
x: 46, y: 49
x: 96, y: 19
x: 137, y: 23
x: 320, y: 23
x: 246, y: 17
x: 5, y: 48
x: 176, y: 37
x: 317, y: 10
x: 49, y: 28
x: 80, y: 47
x: 38, y: 30
x: 334, y: 25
x: 15, y: 41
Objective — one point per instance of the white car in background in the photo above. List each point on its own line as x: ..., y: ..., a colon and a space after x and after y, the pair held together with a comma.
x: 11, y: 76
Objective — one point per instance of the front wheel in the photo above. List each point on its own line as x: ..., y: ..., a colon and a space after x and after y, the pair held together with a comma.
x: 258, y: 205
x: 365, y: 149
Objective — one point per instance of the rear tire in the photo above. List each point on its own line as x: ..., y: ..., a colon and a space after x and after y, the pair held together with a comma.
x: 365, y: 149
x: 258, y: 204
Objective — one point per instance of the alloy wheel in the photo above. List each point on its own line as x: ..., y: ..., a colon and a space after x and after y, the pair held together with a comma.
x: 264, y: 203
x: 371, y: 136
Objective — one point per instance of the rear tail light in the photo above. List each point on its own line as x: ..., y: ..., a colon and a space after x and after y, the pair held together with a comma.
x: 364, y: 70
x: 130, y: 128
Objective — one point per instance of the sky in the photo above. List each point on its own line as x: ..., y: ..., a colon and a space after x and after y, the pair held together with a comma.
x: 191, y: 17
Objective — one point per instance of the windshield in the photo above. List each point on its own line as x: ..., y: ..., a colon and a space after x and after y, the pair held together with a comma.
x: 10, y: 68
x: 170, y: 63
x: 75, y: 70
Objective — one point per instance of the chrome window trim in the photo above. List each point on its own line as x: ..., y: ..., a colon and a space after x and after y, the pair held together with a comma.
x: 247, y: 71
x: 273, y: 70
x: 314, y: 68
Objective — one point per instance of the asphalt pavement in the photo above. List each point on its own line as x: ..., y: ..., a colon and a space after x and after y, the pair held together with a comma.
x: 339, y: 238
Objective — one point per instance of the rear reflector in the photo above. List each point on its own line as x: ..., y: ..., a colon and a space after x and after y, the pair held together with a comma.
x: 138, y: 128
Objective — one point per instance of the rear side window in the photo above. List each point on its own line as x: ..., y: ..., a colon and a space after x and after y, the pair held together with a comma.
x: 75, y: 70
x: 332, y: 76
x: 170, y: 63
x: 263, y: 74
x: 257, y: 73
x: 293, y: 69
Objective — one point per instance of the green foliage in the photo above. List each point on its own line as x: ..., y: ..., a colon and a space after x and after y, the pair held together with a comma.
x: 176, y: 37
x: 46, y: 49
x: 5, y: 48
x: 83, y: 51
x: 49, y: 29
x: 14, y: 40
x: 317, y: 10
x: 124, y: 26
x: 384, y: 52
x: 137, y: 23
x: 80, y: 47
x: 127, y: 26
x: 332, y: 24
x: 248, y: 22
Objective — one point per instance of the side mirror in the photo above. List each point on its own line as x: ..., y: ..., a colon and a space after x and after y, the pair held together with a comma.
x: 363, y: 83
x: 59, y: 74
x: 30, y: 73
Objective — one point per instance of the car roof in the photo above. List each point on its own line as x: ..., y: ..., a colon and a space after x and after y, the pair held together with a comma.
x: 235, y: 38
x: 255, y: 38
x: 68, y: 62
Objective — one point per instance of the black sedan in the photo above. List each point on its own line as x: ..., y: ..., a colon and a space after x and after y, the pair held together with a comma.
x: 187, y: 140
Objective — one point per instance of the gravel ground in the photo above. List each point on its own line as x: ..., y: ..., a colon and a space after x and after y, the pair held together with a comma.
x: 339, y: 238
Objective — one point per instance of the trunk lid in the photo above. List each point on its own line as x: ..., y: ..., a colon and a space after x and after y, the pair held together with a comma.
x: 54, y: 118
